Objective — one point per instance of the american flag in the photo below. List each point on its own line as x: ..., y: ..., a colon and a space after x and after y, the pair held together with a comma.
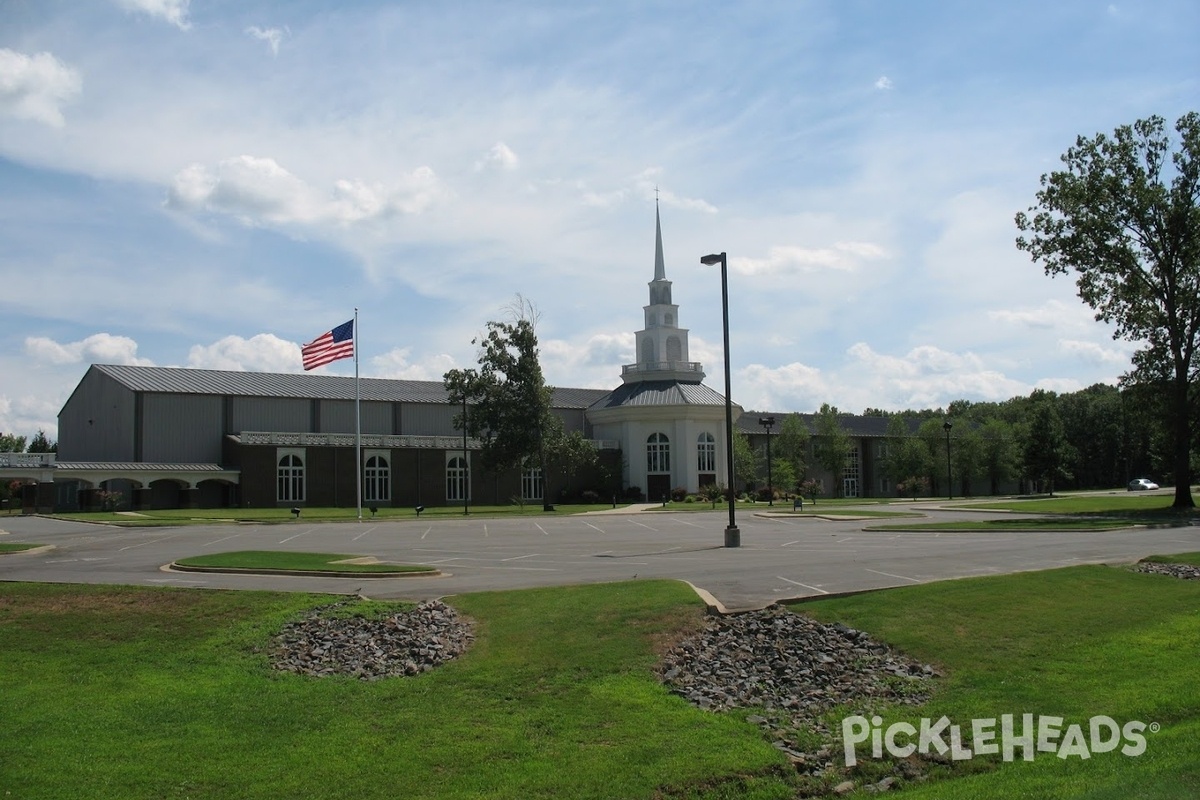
x: 329, y: 346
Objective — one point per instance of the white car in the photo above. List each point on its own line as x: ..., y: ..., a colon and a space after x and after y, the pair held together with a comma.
x: 1141, y: 485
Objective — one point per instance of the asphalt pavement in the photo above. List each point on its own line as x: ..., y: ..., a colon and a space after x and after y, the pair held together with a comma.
x: 781, y: 557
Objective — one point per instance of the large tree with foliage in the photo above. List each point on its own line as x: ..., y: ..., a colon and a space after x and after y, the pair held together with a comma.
x: 1124, y: 215
x: 1047, y: 451
x: 791, y: 447
x: 831, y: 446
x: 508, y: 403
x: 907, y: 460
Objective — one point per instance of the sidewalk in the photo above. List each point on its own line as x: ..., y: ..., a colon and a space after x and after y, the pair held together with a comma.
x: 634, y: 508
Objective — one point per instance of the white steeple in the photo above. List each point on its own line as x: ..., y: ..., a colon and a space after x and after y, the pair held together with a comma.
x: 662, y: 346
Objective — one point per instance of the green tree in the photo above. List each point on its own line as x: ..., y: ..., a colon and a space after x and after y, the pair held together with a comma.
x: 744, y: 463
x: 11, y: 443
x: 831, y: 445
x: 40, y: 444
x: 932, y: 436
x: 901, y: 460
x: 1001, y: 459
x: 791, y: 448
x: 508, y: 399
x: 966, y: 456
x: 1047, y: 452
x: 1124, y: 215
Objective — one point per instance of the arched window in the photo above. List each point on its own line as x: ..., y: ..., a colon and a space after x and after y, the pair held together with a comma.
x: 658, y: 453
x: 531, y: 483
x: 706, y: 453
x: 377, y: 483
x: 289, y: 483
x: 648, y: 354
x: 674, y: 349
x: 458, y: 483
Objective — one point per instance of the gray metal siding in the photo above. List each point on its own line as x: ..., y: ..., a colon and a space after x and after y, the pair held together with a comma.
x: 573, y: 420
x: 271, y: 414
x: 181, y: 427
x: 430, y: 419
x: 97, y: 421
x: 337, y: 416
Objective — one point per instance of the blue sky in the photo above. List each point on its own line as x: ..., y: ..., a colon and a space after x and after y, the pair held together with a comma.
x: 211, y: 184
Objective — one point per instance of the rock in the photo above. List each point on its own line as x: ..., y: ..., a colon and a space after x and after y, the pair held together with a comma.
x: 1185, y: 572
x: 404, y: 644
x: 845, y: 787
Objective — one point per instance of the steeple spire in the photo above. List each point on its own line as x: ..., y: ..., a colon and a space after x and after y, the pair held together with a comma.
x: 660, y: 268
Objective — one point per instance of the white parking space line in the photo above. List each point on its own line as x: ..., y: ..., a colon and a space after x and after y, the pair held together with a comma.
x: 518, y: 558
x: 804, y: 585
x: 223, y: 539
x: 152, y: 541
x: 426, y: 533
x: 686, y: 522
x: 644, y: 525
x: 298, y: 535
x: 593, y: 527
x: 364, y: 533
x: 540, y: 528
x: 890, y: 575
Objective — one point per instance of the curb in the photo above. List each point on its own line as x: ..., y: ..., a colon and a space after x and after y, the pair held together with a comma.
x: 302, y: 573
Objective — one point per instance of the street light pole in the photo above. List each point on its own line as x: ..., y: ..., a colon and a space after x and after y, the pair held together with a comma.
x: 767, y: 422
x: 466, y: 473
x: 733, y: 536
x: 946, y: 426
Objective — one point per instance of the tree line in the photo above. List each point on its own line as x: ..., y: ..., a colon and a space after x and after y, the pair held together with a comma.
x: 1100, y: 437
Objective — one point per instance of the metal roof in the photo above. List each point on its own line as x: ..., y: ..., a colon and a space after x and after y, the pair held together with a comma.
x: 660, y: 393
x: 852, y: 424
x: 174, y: 380
x: 127, y: 466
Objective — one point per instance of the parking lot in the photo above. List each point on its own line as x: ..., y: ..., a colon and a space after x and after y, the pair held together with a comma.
x: 781, y: 557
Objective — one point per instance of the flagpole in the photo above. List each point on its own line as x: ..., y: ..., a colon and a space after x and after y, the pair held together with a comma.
x: 358, y: 466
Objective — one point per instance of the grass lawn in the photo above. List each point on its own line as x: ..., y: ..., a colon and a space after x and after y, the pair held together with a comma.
x: 1074, y: 643
x: 997, y: 525
x: 305, y: 562
x: 1147, y: 506
x: 122, y: 692
x: 16, y: 547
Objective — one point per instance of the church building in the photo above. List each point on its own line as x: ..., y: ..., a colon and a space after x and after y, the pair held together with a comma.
x: 160, y: 437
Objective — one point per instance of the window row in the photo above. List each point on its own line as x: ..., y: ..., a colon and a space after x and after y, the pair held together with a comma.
x: 377, y: 480
x: 658, y: 453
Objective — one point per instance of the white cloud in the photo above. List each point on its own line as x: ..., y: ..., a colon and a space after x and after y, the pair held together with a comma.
x: 172, y: 11
x: 259, y: 190
x: 272, y: 36
x: 883, y: 83
x: 99, y: 348
x: 396, y: 364
x: 1094, y: 353
x: 791, y: 259
x: 35, y: 87
x: 263, y: 352
x: 1051, y: 314
x: 500, y: 156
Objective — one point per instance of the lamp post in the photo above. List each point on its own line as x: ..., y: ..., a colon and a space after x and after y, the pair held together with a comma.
x: 466, y: 474
x: 946, y: 426
x: 768, y: 422
x: 733, y: 536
